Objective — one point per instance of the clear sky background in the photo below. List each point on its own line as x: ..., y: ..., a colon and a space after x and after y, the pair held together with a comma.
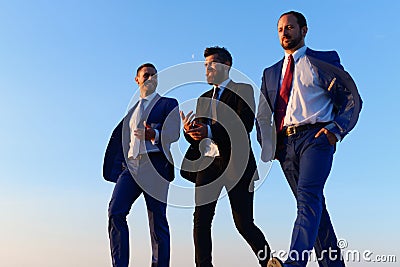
x: 67, y: 76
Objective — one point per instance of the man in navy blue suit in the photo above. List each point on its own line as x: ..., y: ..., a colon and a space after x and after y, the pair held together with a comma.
x: 139, y: 161
x: 315, y: 104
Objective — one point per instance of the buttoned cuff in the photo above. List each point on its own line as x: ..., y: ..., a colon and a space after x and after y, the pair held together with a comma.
x: 156, y: 138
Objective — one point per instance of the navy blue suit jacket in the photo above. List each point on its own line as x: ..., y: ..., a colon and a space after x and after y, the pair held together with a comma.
x: 333, y: 78
x: 163, y: 115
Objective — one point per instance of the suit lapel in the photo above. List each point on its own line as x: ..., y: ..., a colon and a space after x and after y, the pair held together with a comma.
x: 149, y: 108
x: 274, y: 78
x: 229, y: 88
x: 204, y: 103
x: 126, y: 134
x: 126, y: 127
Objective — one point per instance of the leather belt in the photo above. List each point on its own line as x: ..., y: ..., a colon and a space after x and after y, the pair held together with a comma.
x: 291, y: 130
x: 146, y: 156
x: 141, y: 156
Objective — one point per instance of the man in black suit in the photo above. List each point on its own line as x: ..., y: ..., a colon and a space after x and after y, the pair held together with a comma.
x: 221, y: 155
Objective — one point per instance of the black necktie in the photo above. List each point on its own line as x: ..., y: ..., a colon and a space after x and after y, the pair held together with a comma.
x: 216, y: 92
x: 214, y: 104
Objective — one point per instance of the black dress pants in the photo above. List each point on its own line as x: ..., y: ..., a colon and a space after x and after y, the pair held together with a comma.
x: 241, y: 195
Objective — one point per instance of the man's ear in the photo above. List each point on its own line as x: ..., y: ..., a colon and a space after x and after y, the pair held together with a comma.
x: 227, y: 66
x: 304, y: 31
x: 136, y: 80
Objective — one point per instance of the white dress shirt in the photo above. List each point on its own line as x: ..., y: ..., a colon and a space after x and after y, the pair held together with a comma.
x: 133, y: 126
x: 308, y: 102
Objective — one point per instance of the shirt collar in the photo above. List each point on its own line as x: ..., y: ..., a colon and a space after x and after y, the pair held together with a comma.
x: 223, y: 84
x: 149, y: 97
x: 297, y: 54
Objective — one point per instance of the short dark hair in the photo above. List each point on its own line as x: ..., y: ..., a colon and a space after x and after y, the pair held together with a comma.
x: 301, y: 20
x: 222, y: 53
x: 148, y: 65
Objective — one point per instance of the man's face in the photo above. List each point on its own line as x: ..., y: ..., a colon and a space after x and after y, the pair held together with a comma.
x: 291, y: 36
x: 216, y: 71
x: 147, y: 79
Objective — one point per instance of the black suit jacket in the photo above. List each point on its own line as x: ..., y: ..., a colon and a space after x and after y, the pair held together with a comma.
x: 235, y: 121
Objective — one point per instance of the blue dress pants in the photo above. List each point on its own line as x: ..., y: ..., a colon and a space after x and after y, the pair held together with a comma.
x: 126, y: 191
x: 306, y: 162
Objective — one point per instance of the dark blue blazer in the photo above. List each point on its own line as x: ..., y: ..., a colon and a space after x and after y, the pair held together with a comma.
x: 163, y: 115
x: 333, y: 78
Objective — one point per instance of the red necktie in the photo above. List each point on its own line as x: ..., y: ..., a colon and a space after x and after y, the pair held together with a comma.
x: 284, y: 93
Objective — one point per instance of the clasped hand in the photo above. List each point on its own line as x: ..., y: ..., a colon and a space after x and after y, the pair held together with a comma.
x: 193, y: 128
x: 147, y: 133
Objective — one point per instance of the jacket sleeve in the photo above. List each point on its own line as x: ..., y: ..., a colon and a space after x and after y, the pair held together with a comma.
x: 347, y: 104
x: 266, y: 133
x: 264, y: 114
x: 114, y: 162
x: 343, y: 92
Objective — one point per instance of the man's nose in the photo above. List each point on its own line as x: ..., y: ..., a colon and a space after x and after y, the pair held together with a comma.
x: 285, y: 32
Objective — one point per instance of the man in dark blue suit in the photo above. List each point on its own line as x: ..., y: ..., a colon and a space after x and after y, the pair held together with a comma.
x: 315, y: 104
x: 139, y: 161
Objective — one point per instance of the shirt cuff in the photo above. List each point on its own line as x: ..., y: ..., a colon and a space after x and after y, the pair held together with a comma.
x: 338, y: 137
x: 156, y: 138
x: 330, y: 126
x: 209, y: 133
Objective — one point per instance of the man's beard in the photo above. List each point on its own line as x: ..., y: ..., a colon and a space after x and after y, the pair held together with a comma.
x: 218, y: 78
x: 292, y: 43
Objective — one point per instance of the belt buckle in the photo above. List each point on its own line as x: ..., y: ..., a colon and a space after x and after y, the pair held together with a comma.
x: 290, y: 130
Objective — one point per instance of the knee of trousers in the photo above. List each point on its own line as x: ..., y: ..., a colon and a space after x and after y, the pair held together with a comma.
x: 309, y: 201
x: 310, y: 195
x: 116, y: 219
x: 202, y: 219
x: 161, y: 228
x: 115, y: 209
x: 244, y: 227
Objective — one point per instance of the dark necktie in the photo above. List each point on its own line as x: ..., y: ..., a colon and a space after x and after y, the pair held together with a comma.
x: 284, y: 93
x: 216, y: 92
x: 214, y: 104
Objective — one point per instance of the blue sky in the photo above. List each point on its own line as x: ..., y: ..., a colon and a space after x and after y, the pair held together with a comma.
x: 66, y: 79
